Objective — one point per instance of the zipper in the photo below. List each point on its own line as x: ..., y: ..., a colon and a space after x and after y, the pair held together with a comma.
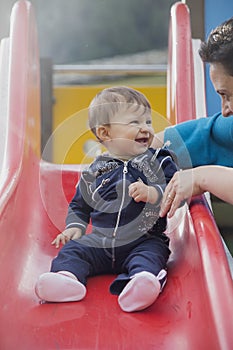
x: 103, y: 182
x: 125, y: 171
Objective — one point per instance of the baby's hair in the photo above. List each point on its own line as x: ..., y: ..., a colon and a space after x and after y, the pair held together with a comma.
x: 218, y: 48
x: 107, y: 103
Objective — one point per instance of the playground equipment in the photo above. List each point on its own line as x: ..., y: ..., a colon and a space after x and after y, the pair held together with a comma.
x: 195, y: 309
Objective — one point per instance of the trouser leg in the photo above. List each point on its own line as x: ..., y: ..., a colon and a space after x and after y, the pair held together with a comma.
x: 81, y: 260
x: 149, y: 254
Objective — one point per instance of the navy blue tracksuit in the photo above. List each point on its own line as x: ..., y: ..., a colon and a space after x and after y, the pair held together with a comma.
x: 127, y: 237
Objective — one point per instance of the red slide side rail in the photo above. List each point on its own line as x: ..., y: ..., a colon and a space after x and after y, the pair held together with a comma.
x: 23, y: 91
x: 180, y: 75
x: 181, y: 101
x: 216, y: 270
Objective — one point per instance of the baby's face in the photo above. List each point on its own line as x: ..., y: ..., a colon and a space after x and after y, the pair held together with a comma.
x: 131, y: 134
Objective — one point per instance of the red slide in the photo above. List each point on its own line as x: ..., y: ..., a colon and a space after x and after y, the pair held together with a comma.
x: 195, y: 309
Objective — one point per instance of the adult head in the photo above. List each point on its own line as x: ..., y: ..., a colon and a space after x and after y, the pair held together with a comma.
x: 217, y: 50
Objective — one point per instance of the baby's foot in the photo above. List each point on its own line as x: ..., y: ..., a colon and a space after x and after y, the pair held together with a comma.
x: 140, y: 292
x: 59, y: 286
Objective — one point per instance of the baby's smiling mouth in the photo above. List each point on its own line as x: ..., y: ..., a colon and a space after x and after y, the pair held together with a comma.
x: 143, y: 140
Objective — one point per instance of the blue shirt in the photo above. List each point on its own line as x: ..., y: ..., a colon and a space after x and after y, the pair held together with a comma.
x: 204, y: 141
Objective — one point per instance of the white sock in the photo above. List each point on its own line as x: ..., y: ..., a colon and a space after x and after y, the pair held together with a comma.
x: 59, y: 287
x: 140, y: 292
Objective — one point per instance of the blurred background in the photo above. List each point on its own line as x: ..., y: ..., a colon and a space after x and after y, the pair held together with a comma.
x: 105, y: 32
x: 76, y: 31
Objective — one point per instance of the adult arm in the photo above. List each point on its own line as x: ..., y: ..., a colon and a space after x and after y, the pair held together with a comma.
x: 158, y: 140
x: 203, y: 141
x: 215, y: 179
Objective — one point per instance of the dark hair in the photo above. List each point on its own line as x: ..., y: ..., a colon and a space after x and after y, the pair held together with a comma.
x: 218, y: 48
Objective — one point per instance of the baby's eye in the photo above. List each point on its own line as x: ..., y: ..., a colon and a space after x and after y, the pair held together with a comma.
x: 134, y: 122
x: 149, y: 122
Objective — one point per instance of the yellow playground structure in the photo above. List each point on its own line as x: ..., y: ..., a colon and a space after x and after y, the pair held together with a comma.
x: 72, y: 142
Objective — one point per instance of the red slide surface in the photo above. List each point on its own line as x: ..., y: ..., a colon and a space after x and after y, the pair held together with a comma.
x: 193, y: 312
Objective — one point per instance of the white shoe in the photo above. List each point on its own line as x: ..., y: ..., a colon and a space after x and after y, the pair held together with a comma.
x: 140, y: 292
x: 58, y: 287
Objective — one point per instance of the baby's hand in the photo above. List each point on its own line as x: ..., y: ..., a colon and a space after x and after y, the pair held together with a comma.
x: 140, y: 192
x: 143, y: 193
x: 66, y: 236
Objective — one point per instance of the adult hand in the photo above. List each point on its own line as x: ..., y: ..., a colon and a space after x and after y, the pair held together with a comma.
x: 182, y: 186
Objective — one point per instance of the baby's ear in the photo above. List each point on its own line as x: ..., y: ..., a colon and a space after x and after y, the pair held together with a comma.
x: 102, y: 133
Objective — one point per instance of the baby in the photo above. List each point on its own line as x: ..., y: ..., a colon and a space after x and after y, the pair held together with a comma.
x: 120, y: 194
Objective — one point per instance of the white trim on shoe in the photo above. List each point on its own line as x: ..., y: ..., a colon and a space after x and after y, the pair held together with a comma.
x: 59, y: 287
x: 162, y: 276
x: 140, y: 292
